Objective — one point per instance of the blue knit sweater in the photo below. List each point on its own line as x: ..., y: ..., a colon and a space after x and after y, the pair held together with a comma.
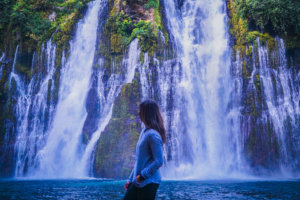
x: 149, y: 158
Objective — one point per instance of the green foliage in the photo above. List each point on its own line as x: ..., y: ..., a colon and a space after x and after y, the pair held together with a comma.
x: 6, y: 8
x: 28, y: 20
x: 29, y: 23
x: 151, y: 4
x: 125, y: 23
x: 244, y: 38
x: 122, y: 31
x: 144, y: 32
x: 24, y: 20
x: 282, y: 15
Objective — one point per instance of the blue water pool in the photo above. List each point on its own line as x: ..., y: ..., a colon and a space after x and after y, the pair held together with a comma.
x: 112, y: 189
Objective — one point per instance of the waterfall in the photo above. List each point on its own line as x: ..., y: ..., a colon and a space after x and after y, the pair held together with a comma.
x: 202, y: 90
x: 145, y: 75
x: 1, y: 67
x: 201, y: 39
x: 32, y: 112
x: 211, y: 96
x: 281, y: 96
x: 13, y: 75
x: 49, y: 137
x: 59, y: 157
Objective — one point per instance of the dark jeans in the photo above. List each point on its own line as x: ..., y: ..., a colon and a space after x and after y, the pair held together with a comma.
x: 145, y: 193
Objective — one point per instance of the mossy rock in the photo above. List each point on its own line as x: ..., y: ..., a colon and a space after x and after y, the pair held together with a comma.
x: 116, y: 43
x: 115, y: 151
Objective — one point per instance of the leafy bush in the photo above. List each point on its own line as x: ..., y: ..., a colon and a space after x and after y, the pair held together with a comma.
x: 28, y: 19
x: 123, y: 25
x: 29, y: 23
x: 282, y: 15
x: 151, y: 4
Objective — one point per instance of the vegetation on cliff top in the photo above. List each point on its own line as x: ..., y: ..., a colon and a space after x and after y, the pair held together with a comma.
x: 32, y: 22
x: 244, y: 37
x: 134, y: 19
x: 277, y: 17
x: 282, y: 16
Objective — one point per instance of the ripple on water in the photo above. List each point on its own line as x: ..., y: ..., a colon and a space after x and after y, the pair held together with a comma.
x: 109, y: 189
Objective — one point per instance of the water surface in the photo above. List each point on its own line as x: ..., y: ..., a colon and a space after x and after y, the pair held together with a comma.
x: 112, y: 189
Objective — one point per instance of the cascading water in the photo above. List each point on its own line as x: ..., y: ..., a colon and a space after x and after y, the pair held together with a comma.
x: 59, y: 157
x: 282, y: 97
x: 13, y: 74
x: 202, y: 47
x: 49, y: 137
x: 107, y: 98
x: 30, y: 128
x: 1, y: 67
x: 200, y: 92
x: 62, y: 154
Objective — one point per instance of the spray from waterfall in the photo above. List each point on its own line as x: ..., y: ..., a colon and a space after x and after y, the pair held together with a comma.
x: 200, y: 34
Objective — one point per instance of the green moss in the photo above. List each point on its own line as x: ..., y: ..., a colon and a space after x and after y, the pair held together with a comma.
x: 249, y: 51
x: 257, y: 82
x: 114, y: 155
x: 251, y: 36
x: 246, y: 73
x: 238, y: 29
x: 142, y: 57
x: 157, y: 19
x: 116, y: 43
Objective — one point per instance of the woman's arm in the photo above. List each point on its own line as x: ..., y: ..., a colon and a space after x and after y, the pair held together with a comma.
x: 131, y: 174
x: 155, y: 143
x: 129, y: 181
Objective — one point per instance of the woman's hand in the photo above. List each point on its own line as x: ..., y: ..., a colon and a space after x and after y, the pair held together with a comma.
x: 139, y: 178
x: 126, y: 185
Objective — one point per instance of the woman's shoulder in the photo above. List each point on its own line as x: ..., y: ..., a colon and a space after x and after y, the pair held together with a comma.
x: 153, y: 134
x: 151, y: 131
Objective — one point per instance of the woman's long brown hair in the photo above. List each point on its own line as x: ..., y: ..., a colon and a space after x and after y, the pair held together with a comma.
x: 150, y: 115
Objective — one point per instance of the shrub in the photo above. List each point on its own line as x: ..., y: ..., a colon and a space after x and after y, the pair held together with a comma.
x: 151, y: 4
x: 282, y: 15
x: 28, y: 19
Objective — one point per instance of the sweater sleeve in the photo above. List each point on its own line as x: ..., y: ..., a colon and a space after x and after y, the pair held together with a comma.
x: 155, y: 143
x: 131, y: 175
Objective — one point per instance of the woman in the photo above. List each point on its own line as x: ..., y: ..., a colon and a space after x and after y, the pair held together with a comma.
x: 145, y: 177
